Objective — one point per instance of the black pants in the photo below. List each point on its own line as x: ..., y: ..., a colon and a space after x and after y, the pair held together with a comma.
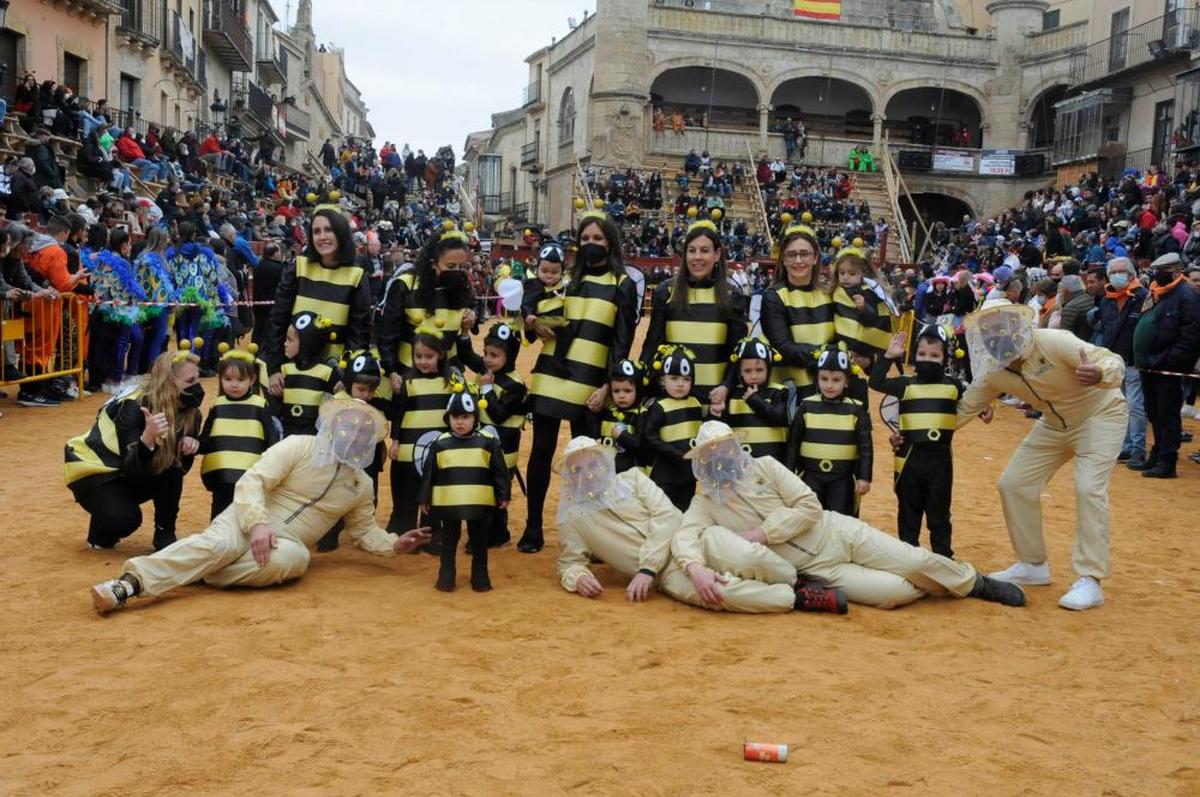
x: 541, y: 456
x: 116, y: 512
x: 449, y: 533
x: 680, y: 494
x: 1164, y: 400
x: 835, y: 492
x: 406, y: 489
x: 222, y: 497
x: 924, y: 488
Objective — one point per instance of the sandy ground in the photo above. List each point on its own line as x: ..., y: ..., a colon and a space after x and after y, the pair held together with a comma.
x: 362, y: 679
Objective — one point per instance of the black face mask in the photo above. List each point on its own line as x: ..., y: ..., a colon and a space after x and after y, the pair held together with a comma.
x: 928, y: 371
x: 593, y: 254
x: 1163, y: 278
x: 191, y: 398
x: 453, y: 280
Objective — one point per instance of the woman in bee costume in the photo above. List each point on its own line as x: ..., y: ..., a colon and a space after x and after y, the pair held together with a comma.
x: 697, y: 310
x: 797, y: 316
x: 601, y: 304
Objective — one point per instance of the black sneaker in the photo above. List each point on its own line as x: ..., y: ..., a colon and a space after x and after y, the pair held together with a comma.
x: 1140, y: 463
x: 12, y: 373
x: 1124, y: 456
x: 1163, y: 470
x: 531, y: 542
x: 26, y: 399
x: 996, y: 591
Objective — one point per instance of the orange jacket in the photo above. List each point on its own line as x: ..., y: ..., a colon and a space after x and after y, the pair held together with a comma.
x: 51, y: 262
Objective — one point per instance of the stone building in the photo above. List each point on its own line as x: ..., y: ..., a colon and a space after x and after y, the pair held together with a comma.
x: 941, y: 83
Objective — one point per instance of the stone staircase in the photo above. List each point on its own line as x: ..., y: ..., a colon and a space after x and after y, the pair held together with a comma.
x: 872, y: 187
x: 739, y: 205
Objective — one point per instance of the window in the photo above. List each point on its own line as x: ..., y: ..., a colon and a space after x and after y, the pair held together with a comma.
x: 131, y: 95
x: 566, y: 120
x: 1050, y: 19
x: 74, y: 71
x: 1164, y: 119
x: 1118, y: 43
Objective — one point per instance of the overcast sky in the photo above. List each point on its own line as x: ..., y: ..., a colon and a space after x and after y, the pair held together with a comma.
x: 431, y: 72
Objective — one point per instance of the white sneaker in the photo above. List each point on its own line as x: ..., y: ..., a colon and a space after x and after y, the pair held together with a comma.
x: 110, y: 595
x: 1188, y: 411
x: 1083, y: 594
x: 1029, y: 575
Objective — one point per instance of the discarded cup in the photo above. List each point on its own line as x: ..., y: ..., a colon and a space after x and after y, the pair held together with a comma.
x: 760, y: 751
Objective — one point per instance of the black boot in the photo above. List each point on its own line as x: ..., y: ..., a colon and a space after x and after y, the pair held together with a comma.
x: 499, y: 535
x: 531, y: 541
x: 330, y: 541
x: 1162, y: 470
x: 990, y: 589
x: 480, y: 582
x: 449, y: 550
x: 163, y: 537
x: 1144, y: 463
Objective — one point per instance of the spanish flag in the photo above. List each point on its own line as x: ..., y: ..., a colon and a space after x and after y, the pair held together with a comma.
x: 818, y: 9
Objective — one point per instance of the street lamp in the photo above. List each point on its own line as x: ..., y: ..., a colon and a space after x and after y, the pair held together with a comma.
x: 3, y: 11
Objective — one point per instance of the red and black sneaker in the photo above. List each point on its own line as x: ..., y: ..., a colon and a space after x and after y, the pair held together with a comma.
x: 812, y: 597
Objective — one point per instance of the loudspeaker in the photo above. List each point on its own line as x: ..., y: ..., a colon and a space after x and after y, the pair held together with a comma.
x: 914, y: 159
x: 1030, y: 164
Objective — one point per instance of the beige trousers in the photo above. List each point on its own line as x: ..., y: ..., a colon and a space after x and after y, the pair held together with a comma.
x: 874, y: 568
x: 220, y: 556
x: 1095, y: 445
x: 759, y: 580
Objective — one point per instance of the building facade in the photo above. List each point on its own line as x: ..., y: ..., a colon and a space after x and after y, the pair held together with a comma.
x: 942, y: 84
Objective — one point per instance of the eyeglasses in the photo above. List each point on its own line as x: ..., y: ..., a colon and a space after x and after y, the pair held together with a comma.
x: 793, y: 257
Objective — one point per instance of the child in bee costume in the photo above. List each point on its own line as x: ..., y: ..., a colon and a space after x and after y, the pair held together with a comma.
x: 307, y: 378
x: 924, y: 478
x: 670, y: 423
x: 831, y: 445
x: 499, y: 382
x: 465, y: 478
x: 239, y: 426
x: 758, y: 408
x: 620, y: 420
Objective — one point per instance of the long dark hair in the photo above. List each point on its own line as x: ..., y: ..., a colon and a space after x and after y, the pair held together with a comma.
x: 433, y: 251
x: 612, y: 236
x: 792, y: 236
x: 341, y: 231
x: 679, y: 287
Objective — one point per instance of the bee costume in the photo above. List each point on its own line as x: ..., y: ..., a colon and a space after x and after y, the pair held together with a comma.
x: 762, y: 419
x: 622, y: 427
x: 668, y: 428
x: 307, y: 379
x: 798, y: 320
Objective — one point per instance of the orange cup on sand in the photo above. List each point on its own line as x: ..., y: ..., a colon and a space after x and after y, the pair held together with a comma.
x: 759, y: 751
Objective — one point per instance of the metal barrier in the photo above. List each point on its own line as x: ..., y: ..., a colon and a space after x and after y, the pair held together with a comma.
x: 48, y: 337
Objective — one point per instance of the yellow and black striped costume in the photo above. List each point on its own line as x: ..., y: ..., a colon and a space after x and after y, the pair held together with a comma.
x: 762, y: 420
x: 330, y: 293
x: 601, y: 311
x: 628, y: 442
x: 111, y: 449
x: 543, y: 301
x: 465, y: 477
x: 867, y: 332
x: 402, y: 314
x: 710, y: 334
x: 235, y: 435
x: 303, y: 391
x: 831, y: 448
x: 668, y: 427
x: 797, y: 322
x: 506, y: 412
x: 420, y: 408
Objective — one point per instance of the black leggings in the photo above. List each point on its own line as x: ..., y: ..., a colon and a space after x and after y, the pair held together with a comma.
x: 222, y: 497
x: 406, y: 489
x: 116, y: 512
x: 541, y: 455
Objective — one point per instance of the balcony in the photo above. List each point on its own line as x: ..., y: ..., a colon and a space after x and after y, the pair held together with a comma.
x: 226, y: 33
x: 296, y: 120
x: 1168, y: 37
x: 184, y: 56
x: 140, y: 25
x: 1046, y: 44
x: 272, y: 68
x: 532, y: 96
x: 520, y: 212
x: 530, y: 158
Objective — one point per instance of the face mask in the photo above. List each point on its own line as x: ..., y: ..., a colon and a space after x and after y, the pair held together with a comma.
x: 593, y: 254
x: 191, y: 398
x: 1163, y: 278
x: 1120, y: 280
x: 929, y: 371
x: 452, y: 280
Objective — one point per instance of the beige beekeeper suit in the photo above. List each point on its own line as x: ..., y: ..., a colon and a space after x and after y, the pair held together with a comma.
x: 870, y: 567
x: 639, y: 536
x: 298, y: 500
x: 1087, y: 423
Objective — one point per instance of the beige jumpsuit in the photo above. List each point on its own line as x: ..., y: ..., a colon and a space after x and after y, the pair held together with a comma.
x: 870, y: 567
x: 639, y: 537
x: 1087, y: 423
x: 298, y: 500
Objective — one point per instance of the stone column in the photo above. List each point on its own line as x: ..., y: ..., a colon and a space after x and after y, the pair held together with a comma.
x: 764, y: 127
x: 877, y: 133
x: 1012, y: 21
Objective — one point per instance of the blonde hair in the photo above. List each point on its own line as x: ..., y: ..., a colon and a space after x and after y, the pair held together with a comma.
x: 161, y: 394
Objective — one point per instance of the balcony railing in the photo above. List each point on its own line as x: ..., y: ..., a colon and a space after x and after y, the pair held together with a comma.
x: 296, y: 120
x: 520, y: 211
x: 272, y: 67
x: 129, y: 118
x: 1171, y: 35
x: 139, y: 22
x: 1059, y: 40
x: 182, y: 48
x: 533, y: 94
x: 226, y: 33
x: 529, y: 155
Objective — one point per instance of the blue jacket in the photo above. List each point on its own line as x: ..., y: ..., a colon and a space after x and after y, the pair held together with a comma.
x: 1117, y: 325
